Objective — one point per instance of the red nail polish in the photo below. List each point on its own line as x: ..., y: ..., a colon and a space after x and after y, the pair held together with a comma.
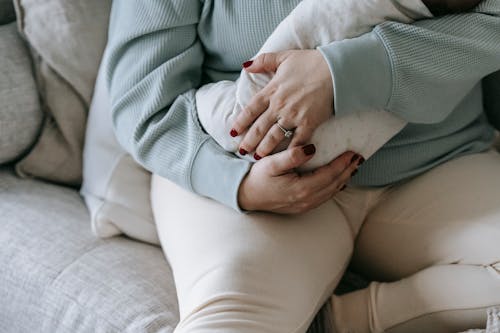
x: 309, y: 149
x: 256, y: 156
x: 233, y: 133
x: 243, y: 151
x: 354, y: 158
x: 361, y: 161
x: 247, y: 64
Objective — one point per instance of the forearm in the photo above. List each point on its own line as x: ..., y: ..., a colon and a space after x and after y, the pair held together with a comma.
x: 419, y: 72
x: 154, y: 67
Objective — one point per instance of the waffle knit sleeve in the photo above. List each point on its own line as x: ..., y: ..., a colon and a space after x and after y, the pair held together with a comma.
x: 419, y: 71
x: 153, y: 65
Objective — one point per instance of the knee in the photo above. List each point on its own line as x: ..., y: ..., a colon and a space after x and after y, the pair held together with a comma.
x: 250, y: 291
x: 236, y: 296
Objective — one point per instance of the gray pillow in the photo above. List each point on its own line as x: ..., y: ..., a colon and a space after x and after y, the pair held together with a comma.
x: 20, y: 114
x: 67, y: 39
x: 7, y: 13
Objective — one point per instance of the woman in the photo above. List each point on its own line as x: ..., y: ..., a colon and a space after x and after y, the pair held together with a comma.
x: 421, y: 217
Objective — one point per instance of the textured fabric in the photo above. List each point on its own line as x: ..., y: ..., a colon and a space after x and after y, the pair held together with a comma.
x: 115, y: 187
x: 20, y: 113
x: 162, y: 51
x: 7, y: 13
x: 56, y: 277
x: 67, y: 39
x: 309, y: 26
x: 247, y: 273
x: 434, y: 247
x: 493, y: 325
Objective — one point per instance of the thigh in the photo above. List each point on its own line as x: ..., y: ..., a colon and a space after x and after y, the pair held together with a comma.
x: 449, y: 215
x: 248, y: 272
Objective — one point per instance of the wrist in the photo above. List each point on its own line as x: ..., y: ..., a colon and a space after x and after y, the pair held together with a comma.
x: 244, y: 199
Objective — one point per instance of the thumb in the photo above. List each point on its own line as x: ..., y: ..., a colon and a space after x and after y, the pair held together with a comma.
x: 266, y: 62
x: 282, y: 162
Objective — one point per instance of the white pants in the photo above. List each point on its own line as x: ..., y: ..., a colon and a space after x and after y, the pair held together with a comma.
x: 433, y: 243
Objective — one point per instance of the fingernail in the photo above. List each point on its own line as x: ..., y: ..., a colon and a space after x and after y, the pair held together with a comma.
x: 354, y: 158
x: 243, y: 151
x: 354, y: 173
x: 233, y: 133
x: 343, y: 188
x: 247, y: 64
x: 309, y: 149
x: 361, y: 161
x: 256, y: 156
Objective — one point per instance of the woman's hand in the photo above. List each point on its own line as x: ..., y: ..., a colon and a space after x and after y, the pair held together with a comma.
x: 273, y: 186
x: 300, y: 97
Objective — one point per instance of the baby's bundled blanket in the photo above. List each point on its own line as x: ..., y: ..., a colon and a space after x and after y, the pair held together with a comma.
x: 311, y: 24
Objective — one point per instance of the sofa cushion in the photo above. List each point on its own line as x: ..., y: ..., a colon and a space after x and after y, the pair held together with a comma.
x: 55, y: 276
x: 7, y: 13
x: 67, y: 38
x: 115, y: 187
x: 20, y: 114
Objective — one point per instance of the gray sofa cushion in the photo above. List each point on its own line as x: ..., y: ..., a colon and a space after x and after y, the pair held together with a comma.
x: 20, y: 113
x: 55, y: 276
x: 7, y: 13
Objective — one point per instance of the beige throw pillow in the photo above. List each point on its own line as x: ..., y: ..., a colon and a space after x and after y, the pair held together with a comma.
x: 67, y: 38
x: 20, y: 114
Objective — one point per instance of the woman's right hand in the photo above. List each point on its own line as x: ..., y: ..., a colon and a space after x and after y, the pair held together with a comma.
x: 272, y: 185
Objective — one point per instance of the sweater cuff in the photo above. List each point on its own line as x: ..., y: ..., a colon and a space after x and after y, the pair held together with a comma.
x: 361, y: 73
x: 217, y: 174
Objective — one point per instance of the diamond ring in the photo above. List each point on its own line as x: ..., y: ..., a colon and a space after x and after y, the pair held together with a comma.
x: 288, y: 133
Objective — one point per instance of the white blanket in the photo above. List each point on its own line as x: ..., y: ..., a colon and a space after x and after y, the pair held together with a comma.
x: 311, y: 24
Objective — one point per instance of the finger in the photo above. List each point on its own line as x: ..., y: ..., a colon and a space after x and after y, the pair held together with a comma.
x: 270, y: 141
x: 252, y: 111
x: 330, y: 173
x: 301, y: 136
x: 256, y: 133
x: 315, y: 198
x: 350, y: 171
x: 282, y: 162
x: 340, y: 184
x: 266, y: 62
x: 312, y: 201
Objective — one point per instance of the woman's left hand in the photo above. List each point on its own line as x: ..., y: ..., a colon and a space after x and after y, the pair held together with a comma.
x: 299, y: 97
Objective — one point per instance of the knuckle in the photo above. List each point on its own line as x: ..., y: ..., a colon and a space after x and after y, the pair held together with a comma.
x: 260, y: 98
x: 264, y: 58
x: 304, y: 194
x: 305, y: 207
x: 275, y: 138
x: 272, y: 165
x: 249, y: 112
x: 279, y: 102
x: 260, y: 59
x: 307, y: 124
x: 334, y: 178
x: 257, y: 131
x: 296, y: 155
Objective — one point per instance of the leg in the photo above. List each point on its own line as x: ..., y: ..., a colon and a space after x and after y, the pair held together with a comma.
x: 439, y: 234
x: 248, y: 273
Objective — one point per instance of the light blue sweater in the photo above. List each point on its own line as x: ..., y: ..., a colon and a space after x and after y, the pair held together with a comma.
x: 429, y: 73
